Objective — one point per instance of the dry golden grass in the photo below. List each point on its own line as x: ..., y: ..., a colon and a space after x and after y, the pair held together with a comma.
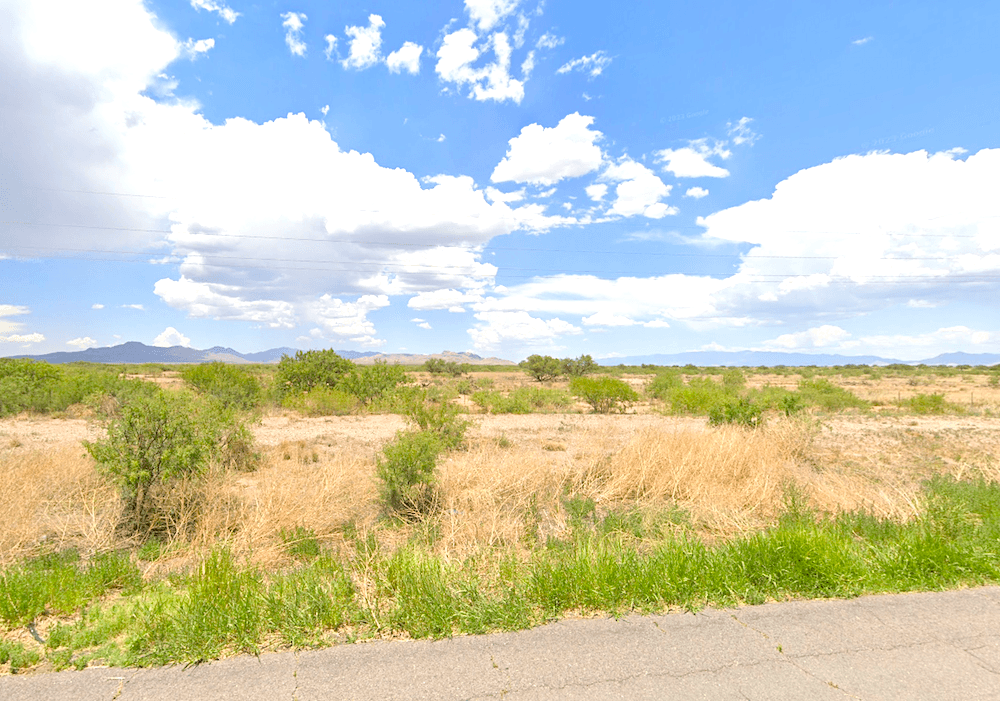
x: 508, y: 485
x: 53, y: 495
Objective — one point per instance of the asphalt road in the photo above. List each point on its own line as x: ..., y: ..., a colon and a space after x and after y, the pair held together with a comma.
x: 937, y: 645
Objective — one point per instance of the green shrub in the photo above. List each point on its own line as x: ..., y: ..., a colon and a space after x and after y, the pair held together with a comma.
x: 826, y: 395
x: 162, y: 437
x: 27, y: 385
x: 604, y: 394
x: 406, y: 472
x: 733, y: 379
x: 370, y: 383
x: 663, y: 384
x: 232, y: 386
x: 698, y: 396
x: 439, y: 418
x: 523, y: 400
x: 739, y: 411
x: 311, y: 369
x: 930, y: 404
x: 440, y: 366
x: 542, y: 367
x: 301, y: 542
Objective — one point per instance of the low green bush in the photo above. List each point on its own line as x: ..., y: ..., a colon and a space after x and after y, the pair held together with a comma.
x: 523, y: 400
x: 698, y: 396
x: 826, y: 395
x: 737, y: 411
x: 406, y: 472
x: 931, y: 404
x: 322, y: 401
x: 440, y: 366
x: 230, y: 385
x: 661, y: 386
x: 604, y: 394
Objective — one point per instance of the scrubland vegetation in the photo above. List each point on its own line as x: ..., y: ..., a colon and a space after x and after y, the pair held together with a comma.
x: 446, y: 499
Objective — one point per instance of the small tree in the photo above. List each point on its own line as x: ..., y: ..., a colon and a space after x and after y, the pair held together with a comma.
x: 542, y: 367
x: 584, y: 365
x: 371, y: 382
x: 605, y: 394
x: 232, y: 386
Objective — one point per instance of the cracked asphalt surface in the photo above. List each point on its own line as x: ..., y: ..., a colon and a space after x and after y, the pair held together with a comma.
x: 933, y: 645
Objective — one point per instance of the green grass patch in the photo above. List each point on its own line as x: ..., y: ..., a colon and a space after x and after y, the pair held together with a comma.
x: 617, y: 561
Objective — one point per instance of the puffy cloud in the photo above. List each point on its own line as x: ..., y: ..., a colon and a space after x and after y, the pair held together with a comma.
x: 265, y: 218
x: 194, y: 49
x: 82, y: 343
x: 546, y: 155
x: 348, y: 319
x: 97, y: 306
x: 223, y: 10
x: 457, y: 55
x: 593, y: 65
x: 487, y: 13
x: 528, y: 65
x: 331, y: 46
x: 696, y: 192
x: 407, y: 58
x: 171, y: 337
x: 692, y: 160
x: 820, y: 337
x: 365, y: 44
x: 596, y: 192
x: 639, y: 190
x: 865, y: 232
x: 293, y: 24
x: 6, y: 327
x: 518, y: 327
x: 741, y: 133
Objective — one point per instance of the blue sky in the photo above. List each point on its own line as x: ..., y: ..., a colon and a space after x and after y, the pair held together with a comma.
x: 501, y: 176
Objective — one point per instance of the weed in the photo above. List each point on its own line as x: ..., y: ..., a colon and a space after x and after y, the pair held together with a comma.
x: 301, y: 542
x: 738, y: 411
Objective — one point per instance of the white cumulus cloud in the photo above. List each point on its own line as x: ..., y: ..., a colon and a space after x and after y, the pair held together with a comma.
x: 546, y: 155
x: 82, y: 343
x: 365, y: 44
x: 691, y: 161
x: 518, y: 327
x: 493, y: 81
x: 407, y: 58
x: 171, y: 337
x: 696, y: 192
x: 639, y: 190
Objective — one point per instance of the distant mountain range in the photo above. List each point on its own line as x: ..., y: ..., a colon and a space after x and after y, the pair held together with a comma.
x: 134, y: 352
x: 773, y: 358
